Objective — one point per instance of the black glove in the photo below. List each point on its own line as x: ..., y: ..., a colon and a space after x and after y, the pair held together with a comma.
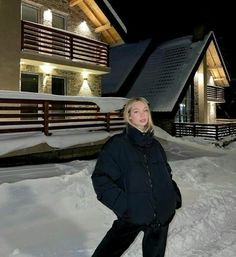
x: 179, y: 196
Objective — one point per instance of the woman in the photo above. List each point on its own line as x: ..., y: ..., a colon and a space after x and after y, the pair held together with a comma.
x: 133, y: 179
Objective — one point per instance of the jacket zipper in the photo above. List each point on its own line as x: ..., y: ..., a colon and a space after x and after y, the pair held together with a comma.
x: 150, y: 182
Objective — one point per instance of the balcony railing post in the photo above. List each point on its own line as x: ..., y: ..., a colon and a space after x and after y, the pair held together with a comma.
x: 108, y: 55
x: 217, y: 132
x: 194, y: 130
x: 108, y: 119
x: 173, y: 129
x: 23, y: 35
x: 45, y: 118
x: 71, y: 47
x: 230, y: 129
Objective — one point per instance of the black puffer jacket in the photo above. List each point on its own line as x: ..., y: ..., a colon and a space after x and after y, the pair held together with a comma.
x: 132, y: 178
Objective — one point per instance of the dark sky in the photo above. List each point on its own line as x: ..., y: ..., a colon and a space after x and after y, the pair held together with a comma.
x: 152, y: 18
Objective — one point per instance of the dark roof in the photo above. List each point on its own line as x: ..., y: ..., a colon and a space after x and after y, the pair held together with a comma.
x: 123, y: 58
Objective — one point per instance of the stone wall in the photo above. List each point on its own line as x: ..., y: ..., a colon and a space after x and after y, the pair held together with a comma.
x: 74, y: 15
x: 73, y: 80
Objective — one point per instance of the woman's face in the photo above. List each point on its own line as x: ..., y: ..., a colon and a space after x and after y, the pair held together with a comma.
x: 139, y: 114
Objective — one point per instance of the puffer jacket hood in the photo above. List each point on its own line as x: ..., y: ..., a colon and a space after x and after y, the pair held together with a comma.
x: 133, y: 178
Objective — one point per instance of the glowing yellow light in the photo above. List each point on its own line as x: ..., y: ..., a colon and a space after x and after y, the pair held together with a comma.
x: 46, y: 68
x: 83, y: 27
x: 85, y: 74
x: 85, y: 89
x: 47, y: 16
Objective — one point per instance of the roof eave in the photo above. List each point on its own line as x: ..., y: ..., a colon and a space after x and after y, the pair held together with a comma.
x: 115, y: 19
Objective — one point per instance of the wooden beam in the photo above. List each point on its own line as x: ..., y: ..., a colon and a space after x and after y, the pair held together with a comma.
x: 103, y: 27
x: 75, y: 2
x: 97, y: 18
x: 90, y: 14
x: 218, y: 79
x: 215, y: 67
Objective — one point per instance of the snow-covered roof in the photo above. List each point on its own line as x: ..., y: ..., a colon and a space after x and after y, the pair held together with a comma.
x: 166, y: 72
x: 122, y: 60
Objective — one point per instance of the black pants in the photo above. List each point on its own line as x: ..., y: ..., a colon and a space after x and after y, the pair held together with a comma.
x: 122, y: 234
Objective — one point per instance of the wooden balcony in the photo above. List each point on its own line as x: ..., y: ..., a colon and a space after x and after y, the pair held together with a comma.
x: 49, y: 41
x: 215, y: 94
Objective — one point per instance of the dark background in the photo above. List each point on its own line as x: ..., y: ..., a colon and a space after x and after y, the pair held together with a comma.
x: 167, y: 20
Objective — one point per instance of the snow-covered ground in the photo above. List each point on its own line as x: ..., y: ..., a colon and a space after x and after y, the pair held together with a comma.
x: 60, y: 216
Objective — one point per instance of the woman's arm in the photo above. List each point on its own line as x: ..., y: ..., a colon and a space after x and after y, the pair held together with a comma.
x: 177, y: 190
x: 104, y: 178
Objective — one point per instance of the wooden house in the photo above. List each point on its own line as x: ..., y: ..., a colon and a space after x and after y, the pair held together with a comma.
x: 59, y: 47
x: 183, y: 80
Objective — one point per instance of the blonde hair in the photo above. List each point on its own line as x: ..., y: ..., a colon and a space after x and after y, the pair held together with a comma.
x: 127, y: 109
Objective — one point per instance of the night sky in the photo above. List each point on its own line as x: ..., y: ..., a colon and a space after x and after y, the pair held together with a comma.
x: 144, y: 19
x: 167, y: 20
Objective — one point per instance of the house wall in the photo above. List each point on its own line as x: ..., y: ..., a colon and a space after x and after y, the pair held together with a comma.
x: 74, y: 15
x: 10, y: 67
x: 200, y: 94
x: 73, y: 80
x: 204, y: 110
x: 211, y: 112
x: 202, y: 91
x: 196, y: 99
x: 10, y: 31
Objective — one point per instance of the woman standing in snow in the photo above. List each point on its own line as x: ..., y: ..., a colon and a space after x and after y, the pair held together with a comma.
x: 133, y: 178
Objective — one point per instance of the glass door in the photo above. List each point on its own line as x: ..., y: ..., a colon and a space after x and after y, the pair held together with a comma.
x: 58, y: 88
x: 29, y: 83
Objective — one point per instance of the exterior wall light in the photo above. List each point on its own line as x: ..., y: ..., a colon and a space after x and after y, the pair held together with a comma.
x: 85, y: 89
x: 47, y: 17
x: 47, y: 70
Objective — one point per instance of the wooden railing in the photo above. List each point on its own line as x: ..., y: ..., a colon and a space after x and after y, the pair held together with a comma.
x: 215, y: 94
x: 55, y: 42
x: 26, y: 115
x: 212, y: 131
